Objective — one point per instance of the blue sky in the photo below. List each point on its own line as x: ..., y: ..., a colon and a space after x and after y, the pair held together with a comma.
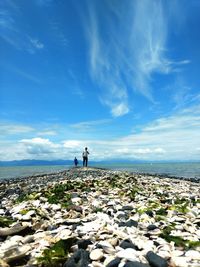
x: 121, y: 77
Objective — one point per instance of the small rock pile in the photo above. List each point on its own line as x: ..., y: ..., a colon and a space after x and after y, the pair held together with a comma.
x: 95, y: 217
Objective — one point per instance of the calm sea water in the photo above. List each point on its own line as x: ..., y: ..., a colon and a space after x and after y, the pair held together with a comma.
x: 189, y: 170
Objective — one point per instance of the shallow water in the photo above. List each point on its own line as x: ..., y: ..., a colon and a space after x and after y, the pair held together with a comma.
x: 188, y: 170
x: 24, y: 171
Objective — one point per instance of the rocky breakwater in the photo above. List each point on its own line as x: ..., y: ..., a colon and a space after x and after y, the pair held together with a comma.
x: 94, y: 217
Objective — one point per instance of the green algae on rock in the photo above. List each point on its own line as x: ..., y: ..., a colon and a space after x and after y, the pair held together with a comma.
x: 6, y: 221
x: 57, y: 254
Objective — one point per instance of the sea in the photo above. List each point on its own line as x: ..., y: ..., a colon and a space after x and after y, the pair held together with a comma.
x: 186, y: 170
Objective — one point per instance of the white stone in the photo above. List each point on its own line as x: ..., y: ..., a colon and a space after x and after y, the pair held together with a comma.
x: 179, y: 261
x: 30, y: 213
x: 28, y: 239
x: 96, y: 254
x: 36, y: 203
x: 76, y: 200
x: 26, y: 217
x: 107, y: 247
x: 17, y: 253
x: 17, y: 216
x: 64, y: 234
x: 15, y: 238
x: 193, y: 254
x: 2, y: 212
x: 128, y: 254
x: 18, y: 208
x: 55, y: 207
x: 97, y: 264
x: 96, y: 203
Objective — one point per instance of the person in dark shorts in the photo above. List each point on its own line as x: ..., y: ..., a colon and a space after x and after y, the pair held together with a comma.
x: 85, y: 157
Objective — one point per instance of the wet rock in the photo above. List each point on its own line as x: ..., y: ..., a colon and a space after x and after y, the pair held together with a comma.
x: 135, y: 264
x: 84, y: 243
x: 127, y: 207
x: 114, y: 263
x: 155, y: 260
x: 16, y: 253
x: 79, y: 259
x: 149, y: 212
x: 12, y: 230
x: 128, y: 244
x: 129, y: 223
x: 151, y: 227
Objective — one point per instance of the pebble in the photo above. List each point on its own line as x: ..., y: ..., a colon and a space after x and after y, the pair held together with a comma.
x: 128, y: 254
x: 135, y: 264
x: 193, y: 254
x: 112, y: 262
x: 102, y: 225
x: 155, y: 260
x: 96, y: 254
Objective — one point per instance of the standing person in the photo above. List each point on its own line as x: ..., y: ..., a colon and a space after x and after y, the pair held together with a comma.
x: 85, y: 157
x: 75, y: 161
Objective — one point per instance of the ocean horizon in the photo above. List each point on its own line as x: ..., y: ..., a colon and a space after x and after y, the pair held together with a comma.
x: 174, y: 169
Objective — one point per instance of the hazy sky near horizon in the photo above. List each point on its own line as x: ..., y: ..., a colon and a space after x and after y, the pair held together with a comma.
x: 120, y: 77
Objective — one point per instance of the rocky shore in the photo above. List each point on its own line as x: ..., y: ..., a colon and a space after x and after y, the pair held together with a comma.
x: 95, y: 217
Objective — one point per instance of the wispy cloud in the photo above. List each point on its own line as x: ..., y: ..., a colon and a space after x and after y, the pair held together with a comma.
x: 59, y: 35
x: 13, y: 34
x: 22, y: 73
x: 36, y: 43
x: 86, y: 125
x: 127, y: 48
x: 47, y: 133
x: 104, y: 71
x: 13, y: 129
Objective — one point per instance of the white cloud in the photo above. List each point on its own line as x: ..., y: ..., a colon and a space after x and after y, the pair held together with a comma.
x: 120, y: 110
x: 39, y: 146
x: 36, y: 44
x: 175, y: 137
x: 72, y: 144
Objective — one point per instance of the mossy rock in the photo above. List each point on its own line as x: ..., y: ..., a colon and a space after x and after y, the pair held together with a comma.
x: 134, y: 191
x: 178, y: 241
x: 22, y: 197
x: 161, y: 211
x: 28, y: 196
x: 181, y: 208
x: 57, y: 254
x: 6, y: 221
x: 24, y: 212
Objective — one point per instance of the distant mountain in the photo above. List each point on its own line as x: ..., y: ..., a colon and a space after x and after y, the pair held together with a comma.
x: 29, y: 162
x: 33, y: 162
